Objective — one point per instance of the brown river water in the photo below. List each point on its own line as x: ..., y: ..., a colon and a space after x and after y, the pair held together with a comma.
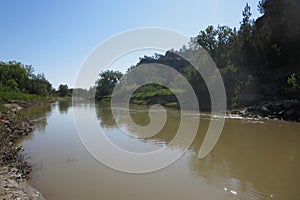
x: 252, y: 159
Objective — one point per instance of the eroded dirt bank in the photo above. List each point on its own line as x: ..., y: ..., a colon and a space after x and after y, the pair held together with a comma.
x: 14, y: 170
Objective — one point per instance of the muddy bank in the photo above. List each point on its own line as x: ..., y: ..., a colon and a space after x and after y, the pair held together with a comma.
x: 18, y: 105
x: 14, y: 187
x: 14, y: 170
x: 288, y: 110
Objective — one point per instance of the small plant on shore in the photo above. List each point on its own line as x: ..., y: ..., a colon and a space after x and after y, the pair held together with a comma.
x: 292, y: 89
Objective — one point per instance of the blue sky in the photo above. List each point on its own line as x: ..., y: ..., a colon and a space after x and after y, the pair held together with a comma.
x: 56, y: 36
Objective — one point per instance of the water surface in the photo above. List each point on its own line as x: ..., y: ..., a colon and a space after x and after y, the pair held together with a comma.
x: 252, y: 159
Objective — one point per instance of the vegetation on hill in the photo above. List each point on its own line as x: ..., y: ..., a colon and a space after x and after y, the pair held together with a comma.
x: 259, y: 61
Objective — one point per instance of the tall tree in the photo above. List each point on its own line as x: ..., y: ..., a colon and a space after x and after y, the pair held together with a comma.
x: 63, y: 90
x: 106, y: 83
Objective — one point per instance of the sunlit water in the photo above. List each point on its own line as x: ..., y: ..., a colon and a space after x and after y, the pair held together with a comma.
x: 252, y: 159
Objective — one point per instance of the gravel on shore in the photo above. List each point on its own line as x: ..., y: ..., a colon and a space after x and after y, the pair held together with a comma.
x: 14, y: 170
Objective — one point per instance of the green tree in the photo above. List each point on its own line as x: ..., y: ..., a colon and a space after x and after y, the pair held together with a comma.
x: 260, y: 6
x: 207, y: 39
x: 12, y: 75
x: 292, y: 90
x: 63, y: 90
x: 106, y: 83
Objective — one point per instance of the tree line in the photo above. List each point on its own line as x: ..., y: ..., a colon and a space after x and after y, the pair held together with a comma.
x: 16, y: 78
x: 258, y: 61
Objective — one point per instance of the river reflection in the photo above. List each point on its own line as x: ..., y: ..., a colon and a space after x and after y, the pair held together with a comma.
x: 140, y: 116
x: 252, y: 159
x: 39, y: 115
x: 64, y: 106
x: 255, y: 161
x: 248, y: 150
x: 104, y: 114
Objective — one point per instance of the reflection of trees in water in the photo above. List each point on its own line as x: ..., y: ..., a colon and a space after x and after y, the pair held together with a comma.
x: 64, y: 106
x: 250, y: 159
x: 245, y: 159
x: 225, y: 167
x: 41, y: 124
x: 38, y: 115
x: 167, y: 133
x: 104, y: 114
x: 140, y: 115
x: 228, y: 165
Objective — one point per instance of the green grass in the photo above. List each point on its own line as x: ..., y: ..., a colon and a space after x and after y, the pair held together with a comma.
x: 5, y: 96
x: 19, y: 96
x: 106, y: 98
x: 162, y: 96
x: 10, y: 95
x: 172, y: 104
x: 144, y: 94
x: 152, y: 94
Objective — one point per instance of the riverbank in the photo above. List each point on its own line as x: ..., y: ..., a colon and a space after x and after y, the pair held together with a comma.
x: 285, y: 109
x: 288, y: 110
x: 14, y: 170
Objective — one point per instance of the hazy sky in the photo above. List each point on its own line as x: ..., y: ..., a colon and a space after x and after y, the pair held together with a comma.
x: 55, y: 36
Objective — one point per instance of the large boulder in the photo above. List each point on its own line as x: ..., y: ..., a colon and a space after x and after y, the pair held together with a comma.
x: 292, y: 114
